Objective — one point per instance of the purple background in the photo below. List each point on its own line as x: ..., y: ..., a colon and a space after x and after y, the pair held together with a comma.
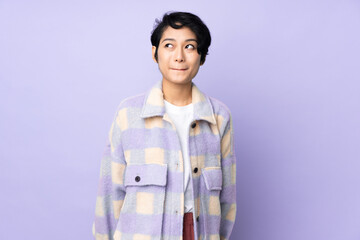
x: 288, y: 70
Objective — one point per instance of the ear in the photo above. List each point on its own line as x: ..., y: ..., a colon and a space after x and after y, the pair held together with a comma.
x: 153, y: 49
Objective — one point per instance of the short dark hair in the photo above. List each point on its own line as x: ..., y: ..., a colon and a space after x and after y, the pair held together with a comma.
x: 178, y: 20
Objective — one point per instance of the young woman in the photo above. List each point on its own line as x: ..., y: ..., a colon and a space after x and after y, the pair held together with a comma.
x: 169, y: 168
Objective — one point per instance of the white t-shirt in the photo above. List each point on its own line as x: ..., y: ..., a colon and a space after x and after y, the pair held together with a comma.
x: 182, y: 116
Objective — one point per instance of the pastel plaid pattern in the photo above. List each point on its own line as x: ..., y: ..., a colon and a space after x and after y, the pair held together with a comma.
x: 140, y: 192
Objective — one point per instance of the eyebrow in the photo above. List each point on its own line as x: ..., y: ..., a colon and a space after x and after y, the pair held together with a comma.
x: 187, y: 40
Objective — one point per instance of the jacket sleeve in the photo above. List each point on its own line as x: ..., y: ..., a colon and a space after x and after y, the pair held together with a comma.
x: 228, y: 192
x: 111, y: 190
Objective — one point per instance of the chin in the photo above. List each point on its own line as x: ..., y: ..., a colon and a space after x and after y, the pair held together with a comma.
x: 180, y: 82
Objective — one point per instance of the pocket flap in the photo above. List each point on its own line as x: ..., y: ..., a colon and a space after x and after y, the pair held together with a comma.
x: 145, y: 174
x: 212, y: 178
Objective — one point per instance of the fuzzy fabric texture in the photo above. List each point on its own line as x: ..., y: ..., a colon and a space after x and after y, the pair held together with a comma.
x: 140, y: 193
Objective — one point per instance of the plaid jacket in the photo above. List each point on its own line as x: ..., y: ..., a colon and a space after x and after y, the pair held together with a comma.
x: 140, y: 192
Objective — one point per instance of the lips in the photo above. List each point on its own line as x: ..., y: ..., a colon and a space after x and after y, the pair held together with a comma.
x: 179, y: 69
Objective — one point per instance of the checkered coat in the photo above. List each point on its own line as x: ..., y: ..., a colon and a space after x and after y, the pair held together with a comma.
x: 140, y: 193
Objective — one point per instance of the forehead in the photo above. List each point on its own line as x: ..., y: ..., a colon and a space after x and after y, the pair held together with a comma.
x: 178, y: 34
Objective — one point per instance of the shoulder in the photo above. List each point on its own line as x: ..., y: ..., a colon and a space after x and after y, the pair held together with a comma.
x: 222, y: 115
x: 220, y: 108
x: 128, y: 110
x: 132, y: 102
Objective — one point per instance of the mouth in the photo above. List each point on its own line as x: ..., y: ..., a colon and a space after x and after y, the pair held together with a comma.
x: 179, y: 69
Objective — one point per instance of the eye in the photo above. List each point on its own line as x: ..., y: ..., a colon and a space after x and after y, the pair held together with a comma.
x: 166, y: 45
x: 190, y: 46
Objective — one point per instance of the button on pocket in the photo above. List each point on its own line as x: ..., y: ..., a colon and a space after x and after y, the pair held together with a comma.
x: 149, y: 174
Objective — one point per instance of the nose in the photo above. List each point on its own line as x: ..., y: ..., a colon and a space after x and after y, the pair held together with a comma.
x: 179, y: 55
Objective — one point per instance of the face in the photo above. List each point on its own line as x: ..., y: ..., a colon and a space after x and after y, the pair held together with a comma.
x: 178, y: 58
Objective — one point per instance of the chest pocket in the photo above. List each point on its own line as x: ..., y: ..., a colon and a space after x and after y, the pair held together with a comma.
x: 143, y: 206
x: 213, y: 178
x: 145, y: 175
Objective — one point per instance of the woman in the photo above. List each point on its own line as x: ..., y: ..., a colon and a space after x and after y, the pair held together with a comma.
x: 169, y: 168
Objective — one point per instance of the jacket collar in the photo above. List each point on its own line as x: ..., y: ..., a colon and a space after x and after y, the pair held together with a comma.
x: 154, y: 104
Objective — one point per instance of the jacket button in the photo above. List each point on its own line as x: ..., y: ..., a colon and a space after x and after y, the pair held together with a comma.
x: 197, y: 218
x: 193, y: 125
x: 137, y: 179
x: 195, y: 170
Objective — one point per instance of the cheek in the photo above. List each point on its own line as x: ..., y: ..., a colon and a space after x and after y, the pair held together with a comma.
x: 196, y: 59
x: 196, y: 62
x: 163, y: 66
x: 163, y: 60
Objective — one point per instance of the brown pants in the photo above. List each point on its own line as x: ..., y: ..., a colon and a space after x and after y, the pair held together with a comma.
x: 188, y: 229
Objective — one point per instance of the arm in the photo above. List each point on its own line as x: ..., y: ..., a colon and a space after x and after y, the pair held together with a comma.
x: 111, y: 191
x: 228, y: 192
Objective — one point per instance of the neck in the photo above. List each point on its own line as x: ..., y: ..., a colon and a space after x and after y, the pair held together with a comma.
x: 177, y: 94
